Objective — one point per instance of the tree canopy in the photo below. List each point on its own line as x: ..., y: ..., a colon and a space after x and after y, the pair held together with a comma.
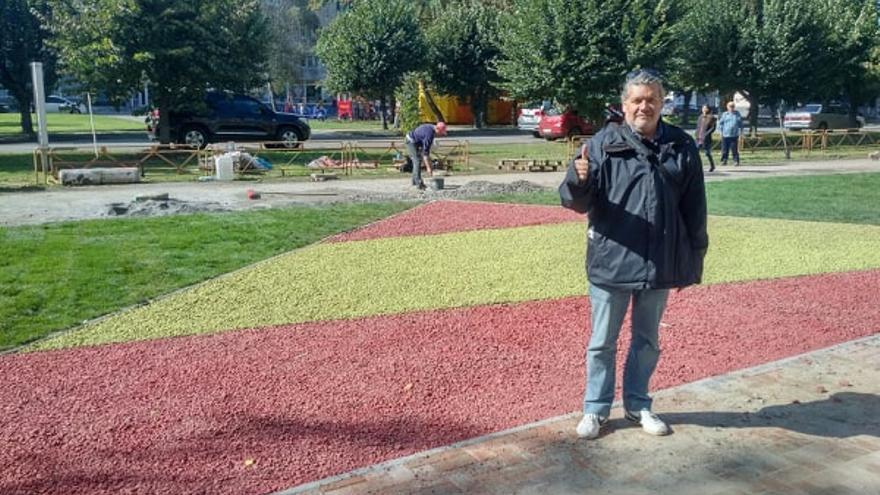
x: 22, y: 41
x: 571, y: 51
x: 369, y: 49
x: 463, y: 47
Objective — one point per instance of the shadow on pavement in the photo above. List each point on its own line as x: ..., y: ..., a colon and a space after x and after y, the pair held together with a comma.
x: 841, y: 415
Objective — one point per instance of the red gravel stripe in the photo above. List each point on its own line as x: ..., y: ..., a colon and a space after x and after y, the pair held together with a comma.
x: 303, y: 402
x: 440, y: 217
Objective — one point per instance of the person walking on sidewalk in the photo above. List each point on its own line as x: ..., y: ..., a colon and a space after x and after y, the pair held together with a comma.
x: 731, y: 123
x: 418, y: 147
x: 705, y: 129
x: 641, y: 185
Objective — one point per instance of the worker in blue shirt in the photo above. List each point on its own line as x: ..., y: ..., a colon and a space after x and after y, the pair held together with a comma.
x: 418, y: 146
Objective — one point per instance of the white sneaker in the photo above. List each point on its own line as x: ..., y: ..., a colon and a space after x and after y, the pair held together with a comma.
x: 651, y: 423
x: 590, y: 426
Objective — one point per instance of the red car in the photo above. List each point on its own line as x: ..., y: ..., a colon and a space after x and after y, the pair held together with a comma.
x: 555, y: 125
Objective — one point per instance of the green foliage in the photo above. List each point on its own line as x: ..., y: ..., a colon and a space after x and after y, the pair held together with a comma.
x: 463, y: 45
x: 293, y: 29
x: 22, y: 41
x: 408, y: 96
x: 369, y: 49
x: 791, y: 50
x: 570, y: 51
x: 714, y: 49
x: 648, y: 27
x: 182, y: 48
x: 851, y: 37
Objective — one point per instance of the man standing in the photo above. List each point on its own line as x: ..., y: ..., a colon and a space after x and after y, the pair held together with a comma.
x: 705, y: 129
x: 641, y: 184
x: 730, y: 124
x: 418, y: 146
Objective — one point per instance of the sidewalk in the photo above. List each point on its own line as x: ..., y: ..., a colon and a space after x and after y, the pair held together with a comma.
x: 804, y: 425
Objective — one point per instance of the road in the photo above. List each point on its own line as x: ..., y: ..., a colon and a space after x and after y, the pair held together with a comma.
x: 319, y: 139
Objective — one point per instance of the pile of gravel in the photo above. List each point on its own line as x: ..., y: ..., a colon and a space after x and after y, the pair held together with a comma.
x: 149, y: 206
x: 482, y: 188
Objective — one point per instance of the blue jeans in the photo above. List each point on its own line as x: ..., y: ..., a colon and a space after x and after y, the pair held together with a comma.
x: 608, y: 310
x: 731, y: 144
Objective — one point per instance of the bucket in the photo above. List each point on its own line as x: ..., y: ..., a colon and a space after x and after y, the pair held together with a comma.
x: 436, y: 183
x: 225, y: 167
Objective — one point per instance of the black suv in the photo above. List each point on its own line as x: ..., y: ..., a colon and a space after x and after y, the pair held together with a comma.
x: 234, y: 117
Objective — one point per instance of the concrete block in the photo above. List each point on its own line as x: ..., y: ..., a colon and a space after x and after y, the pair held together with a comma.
x: 97, y: 176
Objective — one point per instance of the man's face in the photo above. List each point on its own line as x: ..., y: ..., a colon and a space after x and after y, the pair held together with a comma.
x: 641, y: 108
x: 731, y: 107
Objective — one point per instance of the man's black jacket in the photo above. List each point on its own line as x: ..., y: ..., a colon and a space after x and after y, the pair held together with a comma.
x: 647, y: 227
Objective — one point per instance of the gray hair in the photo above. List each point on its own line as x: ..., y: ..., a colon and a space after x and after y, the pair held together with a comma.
x: 642, y: 77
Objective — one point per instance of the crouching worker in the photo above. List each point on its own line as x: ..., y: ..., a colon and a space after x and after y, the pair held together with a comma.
x: 640, y: 183
x: 418, y: 146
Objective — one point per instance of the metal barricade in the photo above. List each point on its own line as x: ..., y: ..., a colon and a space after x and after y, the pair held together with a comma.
x: 176, y: 157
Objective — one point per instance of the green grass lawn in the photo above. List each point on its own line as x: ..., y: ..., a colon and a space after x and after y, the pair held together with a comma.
x: 846, y: 198
x: 10, y: 123
x: 56, y: 275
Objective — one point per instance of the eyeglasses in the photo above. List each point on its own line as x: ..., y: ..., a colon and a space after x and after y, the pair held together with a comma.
x: 652, y: 73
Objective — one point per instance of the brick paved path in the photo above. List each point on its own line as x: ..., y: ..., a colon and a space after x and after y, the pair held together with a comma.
x: 804, y: 425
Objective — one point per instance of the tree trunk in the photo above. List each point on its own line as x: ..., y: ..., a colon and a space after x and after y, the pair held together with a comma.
x: 854, y: 100
x: 754, y: 108
x: 430, y: 99
x: 686, y: 109
x: 383, y: 106
x: 25, y: 99
x: 164, y: 120
x: 27, y: 125
x: 480, y: 103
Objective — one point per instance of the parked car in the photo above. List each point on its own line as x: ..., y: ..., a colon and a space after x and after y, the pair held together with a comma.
x: 530, y: 115
x: 673, y: 109
x: 60, y: 104
x: 234, y: 117
x: 820, y: 117
x: 8, y: 105
x: 555, y: 124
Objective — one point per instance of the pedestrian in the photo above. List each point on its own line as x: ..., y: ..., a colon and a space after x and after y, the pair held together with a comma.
x: 705, y: 129
x: 418, y: 146
x: 730, y: 123
x: 641, y: 185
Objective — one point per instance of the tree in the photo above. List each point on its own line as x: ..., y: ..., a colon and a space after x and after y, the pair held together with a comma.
x: 22, y: 41
x: 649, y: 31
x: 776, y: 50
x: 293, y: 28
x: 714, y: 50
x: 851, y: 41
x: 369, y: 49
x: 181, y: 48
x: 463, y: 45
x: 570, y: 51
